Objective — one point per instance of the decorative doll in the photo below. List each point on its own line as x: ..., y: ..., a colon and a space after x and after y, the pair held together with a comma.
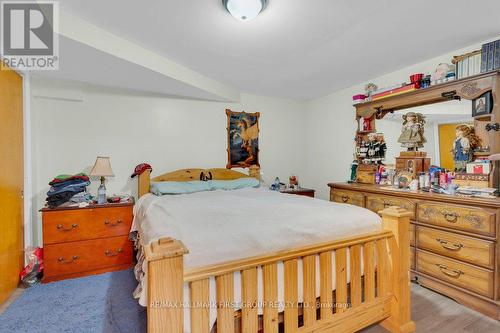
x: 463, y: 146
x: 354, y: 168
x: 412, y: 133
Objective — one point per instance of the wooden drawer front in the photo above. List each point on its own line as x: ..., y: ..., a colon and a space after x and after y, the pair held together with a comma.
x: 412, y: 234
x: 475, y: 251
x: 74, y: 257
x: 348, y: 197
x: 412, y: 257
x: 81, y: 224
x: 471, y: 219
x: 377, y: 203
x: 469, y: 277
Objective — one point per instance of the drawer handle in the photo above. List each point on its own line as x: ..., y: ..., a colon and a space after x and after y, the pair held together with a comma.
x: 449, y: 246
x: 345, y: 198
x: 455, y: 273
x: 109, y: 224
x: 60, y: 227
x: 388, y: 204
x: 450, y: 217
x: 61, y: 260
x: 109, y: 253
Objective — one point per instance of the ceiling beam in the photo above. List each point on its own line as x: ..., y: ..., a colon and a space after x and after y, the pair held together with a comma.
x: 85, y: 32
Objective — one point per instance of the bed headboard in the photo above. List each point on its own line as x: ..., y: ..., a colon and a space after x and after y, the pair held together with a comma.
x: 185, y: 175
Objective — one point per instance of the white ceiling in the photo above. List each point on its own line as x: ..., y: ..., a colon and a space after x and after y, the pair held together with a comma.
x: 81, y: 63
x: 295, y: 49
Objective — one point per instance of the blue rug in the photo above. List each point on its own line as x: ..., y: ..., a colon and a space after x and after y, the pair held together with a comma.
x: 100, y: 303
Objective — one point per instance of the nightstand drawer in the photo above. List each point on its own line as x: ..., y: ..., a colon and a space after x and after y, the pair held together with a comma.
x: 473, y: 278
x: 82, y: 224
x: 472, y: 250
x: 75, y: 257
x: 470, y: 219
x: 376, y: 203
x: 348, y: 197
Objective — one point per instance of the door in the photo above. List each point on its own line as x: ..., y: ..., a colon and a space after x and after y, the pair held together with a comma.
x: 11, y: 181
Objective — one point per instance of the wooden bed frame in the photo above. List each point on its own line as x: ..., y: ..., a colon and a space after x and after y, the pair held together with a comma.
x: 381, y: 294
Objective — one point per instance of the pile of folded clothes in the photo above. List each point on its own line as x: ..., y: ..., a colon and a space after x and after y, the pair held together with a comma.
x: 66, y: 188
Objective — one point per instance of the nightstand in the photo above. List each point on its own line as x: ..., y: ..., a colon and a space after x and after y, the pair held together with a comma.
x: 300, y: 191
x: 86, y: 241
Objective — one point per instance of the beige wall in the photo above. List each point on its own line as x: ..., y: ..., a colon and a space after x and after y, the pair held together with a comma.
x: 73, y: 126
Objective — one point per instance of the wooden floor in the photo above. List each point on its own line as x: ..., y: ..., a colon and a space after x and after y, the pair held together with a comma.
x: 436, y: 313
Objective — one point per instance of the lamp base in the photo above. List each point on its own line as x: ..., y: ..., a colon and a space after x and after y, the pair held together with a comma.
x: 101, y: 193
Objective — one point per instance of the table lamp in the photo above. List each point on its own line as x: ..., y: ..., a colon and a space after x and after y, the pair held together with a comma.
x: 101, y: 168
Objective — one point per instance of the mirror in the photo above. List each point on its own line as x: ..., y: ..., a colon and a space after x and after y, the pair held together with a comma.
x: 441, y: 120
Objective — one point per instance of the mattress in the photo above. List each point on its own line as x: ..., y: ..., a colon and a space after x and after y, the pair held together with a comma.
x: 218, y: 226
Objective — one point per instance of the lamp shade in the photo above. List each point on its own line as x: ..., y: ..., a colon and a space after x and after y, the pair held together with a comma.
x: 102, y: 168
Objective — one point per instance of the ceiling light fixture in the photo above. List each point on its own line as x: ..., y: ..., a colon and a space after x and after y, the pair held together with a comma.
x: 245, y: 10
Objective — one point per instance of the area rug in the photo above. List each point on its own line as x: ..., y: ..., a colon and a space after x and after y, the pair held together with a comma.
x: 100, y: 303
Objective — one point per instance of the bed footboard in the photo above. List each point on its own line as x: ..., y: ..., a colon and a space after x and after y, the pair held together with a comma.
x: 378, y: 289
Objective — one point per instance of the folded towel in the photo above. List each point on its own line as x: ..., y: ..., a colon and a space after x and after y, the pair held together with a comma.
x: 62, y: 178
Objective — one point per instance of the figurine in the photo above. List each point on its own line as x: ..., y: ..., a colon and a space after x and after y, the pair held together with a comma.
x: 373, y: 150
x: 383, y: 146
x: 441, y: 71
x: 370, y: 88
x: 412, y: 133
x: 463, y: 146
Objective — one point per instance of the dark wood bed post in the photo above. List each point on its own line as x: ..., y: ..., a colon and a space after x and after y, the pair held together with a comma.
x: 397, y: 220
x: 165, y: 306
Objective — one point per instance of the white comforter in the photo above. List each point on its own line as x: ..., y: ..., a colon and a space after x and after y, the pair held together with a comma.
x: 218, y: 226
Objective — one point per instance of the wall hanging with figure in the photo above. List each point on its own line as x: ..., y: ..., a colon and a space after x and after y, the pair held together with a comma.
x: 242, y: 139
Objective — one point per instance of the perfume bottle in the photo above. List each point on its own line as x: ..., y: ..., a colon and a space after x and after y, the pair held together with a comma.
x: 101, y: 194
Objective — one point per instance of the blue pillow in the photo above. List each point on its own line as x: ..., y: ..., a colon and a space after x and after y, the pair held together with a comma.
x: 169, y: 187
x: 233, y: 184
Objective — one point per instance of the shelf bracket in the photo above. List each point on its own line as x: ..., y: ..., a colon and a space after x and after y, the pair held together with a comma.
x: 380, y: 113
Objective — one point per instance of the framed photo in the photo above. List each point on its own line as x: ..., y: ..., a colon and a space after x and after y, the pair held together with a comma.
x: 242, y: 139
x: 482, y: 105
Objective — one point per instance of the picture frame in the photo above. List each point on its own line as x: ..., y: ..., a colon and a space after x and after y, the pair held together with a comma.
x: 242, y: 139
x: 482, y: 105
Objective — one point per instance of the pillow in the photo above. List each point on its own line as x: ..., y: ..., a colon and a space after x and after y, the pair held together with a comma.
x: 233, y: 184
x: 160, y: 188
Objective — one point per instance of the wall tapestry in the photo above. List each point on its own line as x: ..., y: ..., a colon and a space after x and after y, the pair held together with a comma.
x: 242, y: 139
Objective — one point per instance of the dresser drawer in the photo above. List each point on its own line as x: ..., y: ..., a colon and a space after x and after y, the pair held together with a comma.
x: 377, y: 203
x: 82, y: 224
x: 75, y: 257
x: 470, y: 219
x: 348, y: 197
x: 463, y: 275
x: 472, y: 250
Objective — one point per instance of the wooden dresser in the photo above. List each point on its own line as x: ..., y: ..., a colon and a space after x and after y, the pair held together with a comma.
x: 85, y: 241
x: 454, y: 242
